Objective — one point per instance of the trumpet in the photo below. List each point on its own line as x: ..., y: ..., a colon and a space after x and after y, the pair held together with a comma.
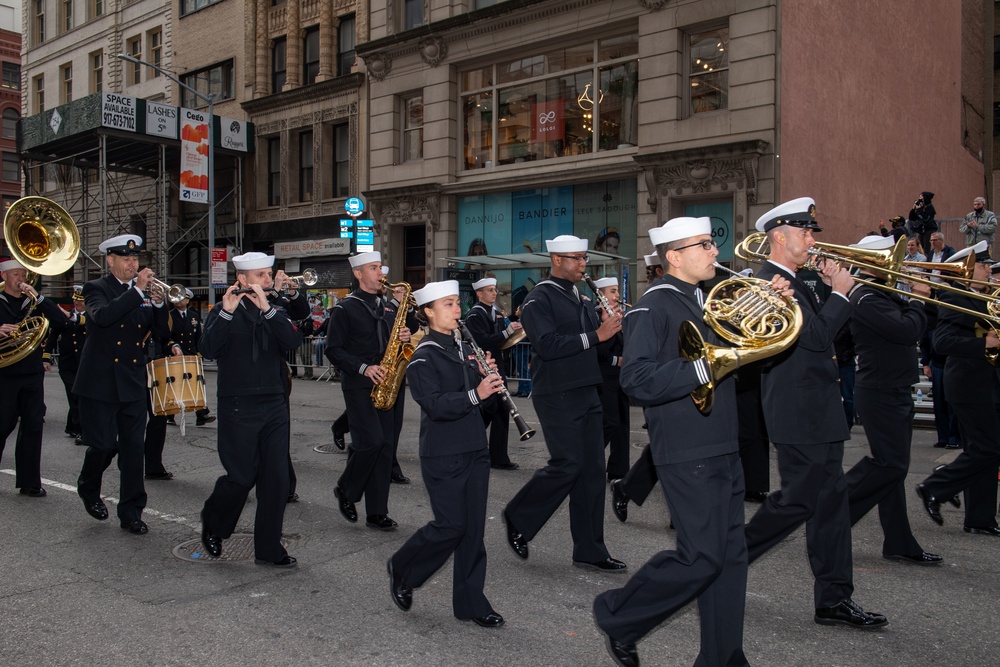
x: 174, y: 293
x: 522, y: 426
x: 308, y: 278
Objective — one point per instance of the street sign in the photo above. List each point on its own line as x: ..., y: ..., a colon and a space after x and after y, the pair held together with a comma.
x: 354, y: 206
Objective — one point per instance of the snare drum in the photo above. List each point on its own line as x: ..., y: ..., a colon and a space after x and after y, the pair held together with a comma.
x: 176, y: 384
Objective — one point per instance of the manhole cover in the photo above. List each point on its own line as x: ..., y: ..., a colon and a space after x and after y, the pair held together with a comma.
x: 327, y: 449
x: 236, y: 548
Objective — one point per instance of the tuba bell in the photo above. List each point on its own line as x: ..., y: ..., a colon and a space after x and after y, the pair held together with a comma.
x: 42, y: 236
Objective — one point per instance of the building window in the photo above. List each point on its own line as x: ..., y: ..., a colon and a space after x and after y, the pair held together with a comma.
x: 10, y: 117
x: 414, y: 254
x: 305, y: 166
x: 413, y: 127
x: 97, y: 72
x: 310, y: 56
x: 215, y: 81
x: 133, y: 71
x: 279, y: 65
x: 188, y: 6
x: 39, y: 21
x: 12, y: 76
x: 413, y: 13
x: 274, y: 171
x: 66, y: 20
x: 708, y: 70
x: 341, y: 160
x: 96, y: 8
x: 154, y: 42
x: 11, y: 167
x: 40, y: 93
x: 554, y: 103
x: 345, y: 45
x: 66, y: 76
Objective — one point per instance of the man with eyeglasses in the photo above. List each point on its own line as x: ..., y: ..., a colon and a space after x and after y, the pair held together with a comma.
x: 564, y: 333
x: 805, y: 421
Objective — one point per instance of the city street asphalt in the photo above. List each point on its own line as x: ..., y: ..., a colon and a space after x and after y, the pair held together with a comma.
x: 81, y: 592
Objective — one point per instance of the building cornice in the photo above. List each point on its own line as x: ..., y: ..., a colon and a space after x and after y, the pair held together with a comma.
x: 314, y: 92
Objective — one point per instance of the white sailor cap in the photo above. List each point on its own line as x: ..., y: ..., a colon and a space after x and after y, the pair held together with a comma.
x: 980, y: 250
x: 77, y: 292
x: 799, y: 212
x: 485, y: 282
x: 434, y: 291
x: 680, y: 228
x: 123, y: 244
x: 875, y: 242
x: 601, y: 283
x: 566, y: 243
x: 9, y: 264
x: 995, y: 269
x: 385, y: 270
x: 253, y: 260
x: 188, y: 293
x: 652, y: 260
x: 365, y: 258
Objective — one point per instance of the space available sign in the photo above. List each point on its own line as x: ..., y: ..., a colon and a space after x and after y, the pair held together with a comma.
x: 233, y: 135
x: 161, y: 120
x: 194, y: 156
x: 118, y: 112
x: 310, y: 248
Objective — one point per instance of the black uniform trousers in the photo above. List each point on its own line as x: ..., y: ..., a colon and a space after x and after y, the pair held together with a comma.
x: 73, y: 416
x: 614, y: 405
x: 397, y: 409
x: 369, y: 456
x: 754, y: 445
x: 109, y: 429
x: 641, y: 478
x: 253, y: 448
x: 813, y: 491
x: 23, y: 396
x: 975, y: 469
x: 709, y: 564
x: 880, y: 479
x: 457, y: 485
x: 571, y: 424
x: 156, y: 437
x: 497, y: 419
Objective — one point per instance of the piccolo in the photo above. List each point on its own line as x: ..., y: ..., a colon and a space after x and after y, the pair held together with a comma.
x: 522, y: 426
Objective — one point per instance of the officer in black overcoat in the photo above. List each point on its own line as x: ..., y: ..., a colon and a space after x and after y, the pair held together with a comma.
x: 185, y: 330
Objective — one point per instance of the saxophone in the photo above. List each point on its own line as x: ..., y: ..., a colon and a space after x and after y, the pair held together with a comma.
x: 397, y: 353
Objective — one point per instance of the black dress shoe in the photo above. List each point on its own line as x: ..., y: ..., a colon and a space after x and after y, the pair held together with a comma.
x: 607, y: 565
x: 953, y: 445
x: 96, y: 509
x: 619, y: 501
x: 160, y: 475
x: 510, y: 465
x: 346, y: 506
x: 79, y: 441
x: 399, y: 479
x: 73, y: 434
x: 137, y: 527
x: 982, y: 531
x: 209, y: 540
x: 931, y: 504
x: 38, y: 492
x: 849, y: 613
x: 338, y: 437
x: 755, y: 496
x: 624, y: 655
x: 402, y: 595
x: 490, y: 620
x: 201, y: 421
x: 380, y: 522
x: 287, y: 561
x: 515, y: 539
x: 170, y: 420
x: 940, y: 445
x: 922, y: 558
x: 292, y: 498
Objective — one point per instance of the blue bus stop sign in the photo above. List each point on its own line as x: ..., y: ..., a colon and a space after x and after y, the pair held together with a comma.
x: 354, y: 206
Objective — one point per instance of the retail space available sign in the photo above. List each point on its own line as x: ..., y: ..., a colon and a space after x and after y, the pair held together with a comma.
x: 194, y: 156
x: 118, y: 112
x: 312, y: 248
x: 218, y: 272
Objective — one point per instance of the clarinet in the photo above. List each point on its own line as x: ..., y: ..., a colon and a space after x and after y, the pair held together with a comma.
x: 522, y: 426
x: 601, y: 299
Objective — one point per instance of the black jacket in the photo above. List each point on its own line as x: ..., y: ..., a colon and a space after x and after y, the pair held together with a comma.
x: 357, y: 336
x: 186, y: 330
x: 922, y: 219
x: 12, y: 311
x: 968, y: 377
x: 489, y: 331
x: 886, y: 330
x: 609, y: 353
x: 69, y: 341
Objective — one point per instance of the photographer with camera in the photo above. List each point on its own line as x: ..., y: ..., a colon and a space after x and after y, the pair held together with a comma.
x: 921, y: 220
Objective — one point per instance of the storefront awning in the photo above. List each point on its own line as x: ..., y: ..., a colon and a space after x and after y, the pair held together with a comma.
x: 532, y: 260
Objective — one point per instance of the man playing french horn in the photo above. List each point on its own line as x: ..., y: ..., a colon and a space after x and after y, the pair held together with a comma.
x: 358, y: 334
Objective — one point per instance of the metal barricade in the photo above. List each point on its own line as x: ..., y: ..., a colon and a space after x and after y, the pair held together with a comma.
x: 517, y: 361
x: 308, y: 357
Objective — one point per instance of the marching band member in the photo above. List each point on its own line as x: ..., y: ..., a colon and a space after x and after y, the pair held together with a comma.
x: 886, y: 329
x: 451, y: 389
x: 397, y: 476
x: 564, y: 334
x: 69, y: 342
x: 360, y: 325
x: 22, y: 385
x: 486, y: 324
x: 248, y: 337
x: 697, y: 461
x: 614, y: 403
x: 185, y: 328
x: 805, y: 421
x: 156, y: 425
x: 111, y: 382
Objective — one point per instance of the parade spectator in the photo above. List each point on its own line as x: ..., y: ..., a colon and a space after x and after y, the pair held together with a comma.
x: 979, y: 225
x: 921, y: 220
x: 898, y: 227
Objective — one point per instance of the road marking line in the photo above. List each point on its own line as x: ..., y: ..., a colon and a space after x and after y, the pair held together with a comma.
x: 172, y: 518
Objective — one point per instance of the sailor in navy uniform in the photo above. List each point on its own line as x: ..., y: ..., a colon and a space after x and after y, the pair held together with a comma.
x: 614, y: 403
x: 69, y: 343
x: 451, y: 389
x: 22, y: 384
x: 397, y: 476
x: 697, y: 462
x: 804, y: 414
x: 360, y: 325
x: 564, y: 333
x: 185, y: 330
x: 156, y: 425
x: 249, y: 336
x: 111, y: 382
x: 486, y: 324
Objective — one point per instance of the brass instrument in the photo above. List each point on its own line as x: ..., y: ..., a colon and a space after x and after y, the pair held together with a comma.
x: 174, y: 293
x: 601, y: 299
x: 522, y: 426
x: 748, y: 312
x: 42, y: 236
x: 397, y: 353
x: 308, y: 278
